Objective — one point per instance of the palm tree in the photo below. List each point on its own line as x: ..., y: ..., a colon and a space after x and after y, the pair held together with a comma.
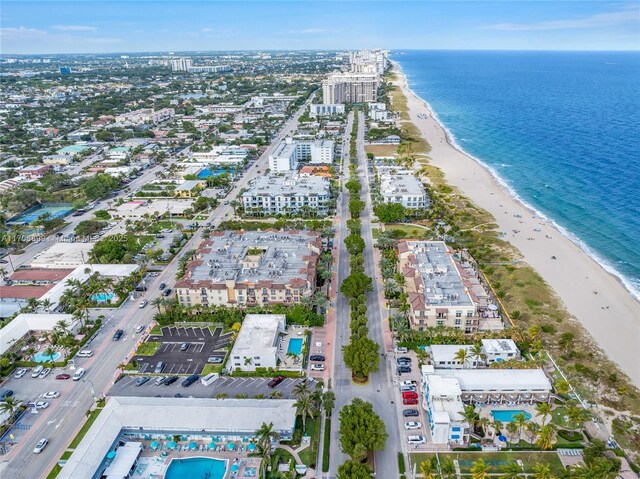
x: 62, y: 326
x: 478, y: 353
x: 301, y: 389
x: 10, y: 405
x: 462, y: 356
x: 484, y: 423
x: 480, y: 470
x: 469, y: 414
x: 542, y: 470
x: 577, y: 416
x: 305, y: 407
x: 512, y: 429
x: 543, y: 409
x: 532, y: 429
x: 46, y: 304
x: 520, y: 420
x: 158, y: 302
x: 545, y: 437
x: 32, y: 305
x: 428, y: 469
x: 265, y: 454
x: 447, y: 469
x: 49, y: 351
x: 511, y: 471
x: 266, y: 435
x: 497, y: 425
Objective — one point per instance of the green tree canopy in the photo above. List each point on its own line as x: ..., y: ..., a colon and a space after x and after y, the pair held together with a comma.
x: 362, y: 356
x: 353, y: 470
x: 355, y: 284
x: 390, y: 212
x: 361, y: 428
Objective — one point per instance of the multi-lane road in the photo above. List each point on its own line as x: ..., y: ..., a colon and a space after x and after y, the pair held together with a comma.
x: 60, y: 422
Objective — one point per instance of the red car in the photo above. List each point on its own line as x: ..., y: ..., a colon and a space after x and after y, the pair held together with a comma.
x: 409, y: 395
x: 63, y: 376
x: 410, y: 402
x: 275, y: 381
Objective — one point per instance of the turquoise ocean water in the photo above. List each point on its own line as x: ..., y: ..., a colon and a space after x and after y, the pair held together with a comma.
x: 560, y: 129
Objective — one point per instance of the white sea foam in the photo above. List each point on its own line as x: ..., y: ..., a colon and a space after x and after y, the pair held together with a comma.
x: 630, y: 285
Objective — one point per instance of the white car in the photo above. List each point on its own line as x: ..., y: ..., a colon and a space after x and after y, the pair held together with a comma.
x: 407, y: 383
x: 317, y: 367
x: 143, y: 303
x: 412, y: 425
x: 42, y: 443
x: 20, y: 372
x: 41, y: 405
x: 51, y: 395
x: 416, y: 440
x: 45, y: 372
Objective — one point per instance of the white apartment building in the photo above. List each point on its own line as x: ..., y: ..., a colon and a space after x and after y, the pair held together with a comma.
x: 499, y: 350
x: 222, y: 155
x: 368, y: 61
x: 181, y: 64
x: 350, y: 88
x: 290, y: 152
x: 326, y: 110
x: 257, y: 342
x: 146, y: 115
x: 287, y: 194
x: 442, y: 401
x: 443, y: 356
x: 398, y: 185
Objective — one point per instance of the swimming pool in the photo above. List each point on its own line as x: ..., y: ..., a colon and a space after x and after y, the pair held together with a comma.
x: 102, y: 297
x: 196, y: 467
x: 295, y: 346
x: 32, y: 214
x: 508, y: 414
x: 45, y: 358
x: 207, y: 173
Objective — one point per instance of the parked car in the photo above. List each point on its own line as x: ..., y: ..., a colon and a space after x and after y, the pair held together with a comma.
x: 162, y: 286
x: 78, y: 375
x: 140, y: 381
x: 171, y: 380
x: 63, y: 377
x: 317, y: 367
x: 44, y: 373
x: 411, y: 413
x: 5, y: 393
x: 51, y: 395
x: 36, y: 371
x: 406, y: 388
x: 408, y: 383
x: 412, y: 425
x: 317, y: 357
x: 143, y: 303
x: 404, y: 359
x: 118, y: 334
x: 403, y: 369
x: 85, y: 353
x: 140, y: 328
x: 184, y: 346
x: 410, y: 402
x: 159, y: 367
x: 20, y: 372
x: 215, y: 360
x: 167, y: 292
x: 39, y: 404
x: 42, y: 443
x: 416, y: 439
x: 160, y: 380
x: 275, y: 381
x: 402, y: 350
x: 190, y: 380
x: 409, y: 395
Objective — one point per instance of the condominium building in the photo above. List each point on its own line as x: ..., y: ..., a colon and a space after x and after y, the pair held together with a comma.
x: 251, y: 268
x: 398, y: 185
x: 445, y: 356
x: 290, y: 152
x: 368, y: 61
x: 257, y: 343
x: 350, y: 88
x: 326, y: 110
x: 146, y: 115
x: 437, y: 285
x: 181, y: 64
x: 288, y: 193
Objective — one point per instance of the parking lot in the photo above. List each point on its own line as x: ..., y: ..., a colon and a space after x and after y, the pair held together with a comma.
x: 232, y: 387
x: 203, y: 344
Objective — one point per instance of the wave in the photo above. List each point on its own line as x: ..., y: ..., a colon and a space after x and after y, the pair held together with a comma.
x: 629, y: 284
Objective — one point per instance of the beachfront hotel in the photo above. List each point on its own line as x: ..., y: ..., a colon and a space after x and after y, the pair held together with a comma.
x: 251, y: 268
x: 444, y: 356
x: 290, y: 152
x: 146, y: 436
x: 350, y: 88
x: 399, y: 185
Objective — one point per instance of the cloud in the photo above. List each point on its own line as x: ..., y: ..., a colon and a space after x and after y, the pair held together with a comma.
x: 21, y: 33
x: 310, y: 31
x: 206, y: 30
x: 74, y: 28
x: 629, y: 14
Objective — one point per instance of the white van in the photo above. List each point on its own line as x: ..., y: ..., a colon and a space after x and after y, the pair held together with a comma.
x: 416, y: 440
x: 407, y: 387
x: 85, y: 353
x: 36, y: 372
x: 78, y: 375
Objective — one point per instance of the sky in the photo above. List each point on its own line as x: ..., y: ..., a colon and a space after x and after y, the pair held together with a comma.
x: 48, y: 26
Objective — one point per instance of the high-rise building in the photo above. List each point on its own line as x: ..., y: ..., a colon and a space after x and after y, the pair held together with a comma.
x: 350, y: 88
x: 181, y: 64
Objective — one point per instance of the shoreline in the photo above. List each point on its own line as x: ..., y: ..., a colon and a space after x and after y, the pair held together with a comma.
x: 596, y: 297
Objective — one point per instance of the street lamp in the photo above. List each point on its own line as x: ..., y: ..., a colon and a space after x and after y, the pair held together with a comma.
x: 93, y: 389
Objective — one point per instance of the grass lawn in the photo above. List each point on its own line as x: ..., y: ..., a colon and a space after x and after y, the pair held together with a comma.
x: 376, y: 233
x: 148, y: 349
x: 497, y: 459
x: 211, y: 368
x: 327, y: 444
x: 382, y: 150
x: 309, y: 455
x: 280, y: 456
x: 54, y: 472
x: 410, y: 230
x: 558, y: 417
x: 92, y: 417
x: 156, y: 330
x: 66, y: 455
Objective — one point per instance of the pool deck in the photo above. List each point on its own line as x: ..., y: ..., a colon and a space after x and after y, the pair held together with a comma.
x: 152, y: 465
x: 288, y: 362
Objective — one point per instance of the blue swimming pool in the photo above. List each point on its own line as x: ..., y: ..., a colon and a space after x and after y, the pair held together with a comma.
x: 196, y: 467
x: 32, y: 214
x: 45, y: 358
x: 508, y: 414
x: 102, y: 297
x: 295, y: 346
x: 207, y: 173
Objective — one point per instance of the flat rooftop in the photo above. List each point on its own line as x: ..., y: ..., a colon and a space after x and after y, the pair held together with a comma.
x: 258, y: 334
x: 62, y: 255
x: 40, y: 274
x: 399, y: 181
x: 252, y: 257
x: 501, y: 380
x: 290, y: 184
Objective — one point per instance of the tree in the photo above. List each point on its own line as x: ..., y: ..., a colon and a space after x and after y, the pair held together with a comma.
x: 543, y: 410
x: 390, y: 212
x: 546, y: 437
x: 329, y: 402
x: 266, y: 435
x: 480, y: 470
x: 478, y: 353
x: 355, y: 284
x: 362, y: 356
x: 542, y: 470
x: 360, y: 427
x: 532, y: 430
x: 470, y: 415
x: 462, y: 356
x: 512, y: 429
x: 305, y: 407
x: 10, y: 405
x: 511, y: 471
x: 428, y: 468
x: 520, y: 420
x: 448, y: 469
x: 577, y: 416
x: 353, y: 470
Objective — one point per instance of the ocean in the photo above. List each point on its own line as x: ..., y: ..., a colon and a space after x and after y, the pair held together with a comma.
x: 560, y: 129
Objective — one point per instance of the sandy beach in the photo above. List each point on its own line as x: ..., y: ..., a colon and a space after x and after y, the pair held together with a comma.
x: 595, y: 297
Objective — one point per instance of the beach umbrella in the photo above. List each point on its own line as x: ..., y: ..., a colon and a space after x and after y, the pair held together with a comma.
x: 251, y: 447
x: 502, y: 438
x: 234, y: 468
x: 154, y: 445
x: 193, y: 445
x: 231, y: 446
x: 212, y: 445
x: 111, y: 454
x: 172, y: 445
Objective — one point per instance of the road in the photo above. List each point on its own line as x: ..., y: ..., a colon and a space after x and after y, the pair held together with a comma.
x: 380, y: 389
x: 60, y: 424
